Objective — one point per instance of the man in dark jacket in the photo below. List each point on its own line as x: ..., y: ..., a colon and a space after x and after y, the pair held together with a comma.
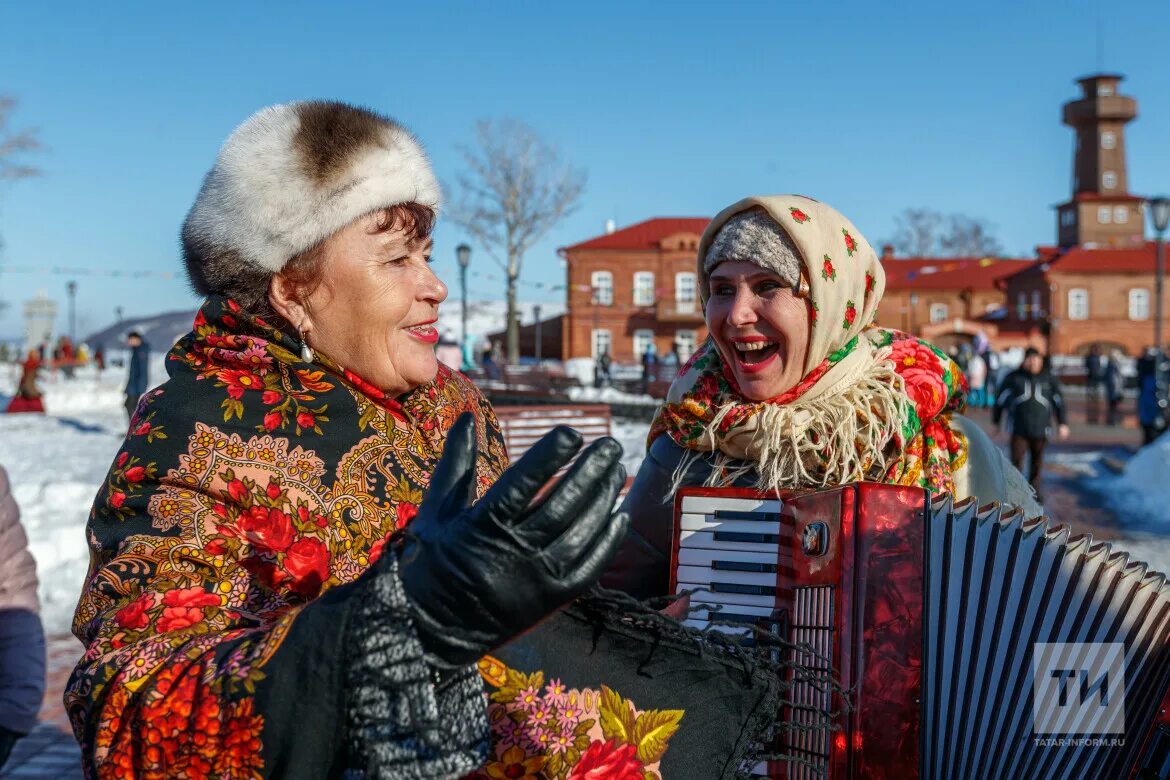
x: 1030, y: 397
x: 136, y: 379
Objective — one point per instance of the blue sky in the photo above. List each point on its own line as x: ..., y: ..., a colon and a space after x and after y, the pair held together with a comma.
x: 672, y: 109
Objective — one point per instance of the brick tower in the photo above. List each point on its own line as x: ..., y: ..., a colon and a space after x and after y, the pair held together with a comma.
x: 1102, y: 212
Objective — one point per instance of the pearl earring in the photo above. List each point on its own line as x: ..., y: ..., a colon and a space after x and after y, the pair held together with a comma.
x: 306, y: 353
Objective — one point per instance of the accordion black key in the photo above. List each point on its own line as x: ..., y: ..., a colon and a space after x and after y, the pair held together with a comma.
x: 966, y: 642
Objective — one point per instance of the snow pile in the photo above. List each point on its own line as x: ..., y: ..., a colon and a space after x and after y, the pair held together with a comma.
x: 55, y: 463
x: 609, y: 395
x: 1141, y: 494
x: 631, y: 434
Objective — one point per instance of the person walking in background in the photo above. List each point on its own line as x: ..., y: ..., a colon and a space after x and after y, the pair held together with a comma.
x: 22, y: 638
x: 1114, y: 387
x: 649, y: 365
x: 137, y: 376
x: 1151, y: 414
x: 1030, y: 397
x: 601, y: 370
x: 977, y: 381
x: 1094, y: 382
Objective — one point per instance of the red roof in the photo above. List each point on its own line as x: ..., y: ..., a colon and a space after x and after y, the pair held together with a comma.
x: 644, y: 235
x: 948, y: 273
x: 1103, y: 260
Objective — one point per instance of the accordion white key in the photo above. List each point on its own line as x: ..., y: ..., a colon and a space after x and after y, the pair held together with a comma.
x: 966, y: 642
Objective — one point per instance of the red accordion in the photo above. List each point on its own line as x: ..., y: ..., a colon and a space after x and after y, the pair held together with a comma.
x: 961, y: 638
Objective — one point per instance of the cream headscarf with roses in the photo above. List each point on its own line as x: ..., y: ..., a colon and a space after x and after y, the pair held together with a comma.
x: 852, y: 414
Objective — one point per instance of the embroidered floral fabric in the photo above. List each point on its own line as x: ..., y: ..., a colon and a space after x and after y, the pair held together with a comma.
x: 250, y: 485
x: 551, y: 731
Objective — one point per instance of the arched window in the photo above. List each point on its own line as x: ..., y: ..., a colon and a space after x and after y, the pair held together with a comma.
x: 1108, y: 140
x: 1109, y: 180
x: 1078, y: 303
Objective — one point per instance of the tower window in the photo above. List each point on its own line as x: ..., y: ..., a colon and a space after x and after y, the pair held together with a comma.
x: 1105, y: 215
x: 1108, y: 140
x: 1109, y: 180
x: 1121, y: 215
x: 1105, y: 90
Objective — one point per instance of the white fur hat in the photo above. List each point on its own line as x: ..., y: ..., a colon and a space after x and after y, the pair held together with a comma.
x: 291, y: 176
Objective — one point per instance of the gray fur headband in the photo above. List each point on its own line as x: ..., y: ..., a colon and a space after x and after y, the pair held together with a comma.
x: 754, y: 237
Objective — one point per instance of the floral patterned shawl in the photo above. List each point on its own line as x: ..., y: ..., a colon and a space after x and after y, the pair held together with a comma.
x: 250, y: 485
x: 874, y: 403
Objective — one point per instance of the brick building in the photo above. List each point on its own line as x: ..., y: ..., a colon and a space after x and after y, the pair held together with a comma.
x: 1082, y: 296
x: 946, y: 300
x: 632, y: 286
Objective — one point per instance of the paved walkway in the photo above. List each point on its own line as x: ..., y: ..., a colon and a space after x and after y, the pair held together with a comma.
x: 50, y: 752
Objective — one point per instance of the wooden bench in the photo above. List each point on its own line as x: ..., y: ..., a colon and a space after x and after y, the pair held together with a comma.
x: 522, y: 426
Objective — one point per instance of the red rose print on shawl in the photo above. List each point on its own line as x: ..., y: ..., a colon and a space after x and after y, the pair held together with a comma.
x: 922, y: 372
x: 798, y: 215
x: 850, y: 315
x: 307, y: 561
x: 850, y: 244
x: 828, y: 272
x: 610, y: 760
x: 266, y: 529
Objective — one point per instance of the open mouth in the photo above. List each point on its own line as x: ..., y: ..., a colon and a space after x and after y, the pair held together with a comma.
x: 427, y: 333
x: 755, y: 353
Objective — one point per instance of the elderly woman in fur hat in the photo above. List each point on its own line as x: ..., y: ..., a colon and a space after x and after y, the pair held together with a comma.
x: 286, y: 580
x: 797, y: 388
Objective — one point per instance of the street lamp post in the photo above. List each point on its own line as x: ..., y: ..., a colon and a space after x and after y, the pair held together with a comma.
x: 1160, y: 216
x: 536, y: 334
x: 71, y: 288
x: 463, y: 255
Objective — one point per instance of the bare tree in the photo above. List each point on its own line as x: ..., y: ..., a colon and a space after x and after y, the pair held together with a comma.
x: 13, y: 145
x: 917, y: 232
x: 969, y: 237
x: 927, y: 233
x: 515, y: 188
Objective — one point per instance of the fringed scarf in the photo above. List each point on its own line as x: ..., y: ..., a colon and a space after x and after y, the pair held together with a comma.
x: 874, y: 404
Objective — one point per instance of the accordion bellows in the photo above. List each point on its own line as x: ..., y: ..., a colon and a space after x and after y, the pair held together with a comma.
x: 968, y: 642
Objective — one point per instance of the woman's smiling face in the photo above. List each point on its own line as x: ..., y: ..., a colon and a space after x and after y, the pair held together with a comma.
x: 375, y: 307
x: 759, y: 326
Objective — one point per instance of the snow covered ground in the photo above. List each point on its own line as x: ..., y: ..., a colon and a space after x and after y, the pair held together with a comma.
x: 55, y: 463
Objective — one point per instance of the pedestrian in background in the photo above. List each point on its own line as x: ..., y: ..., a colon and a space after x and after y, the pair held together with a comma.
x: 977, y: 381
x: 1151, y: 413
x: 22, y: 638
x: 1094, y: 382
x: 136, y: 378
x: 1030, y: 398
x: 1114, y: 387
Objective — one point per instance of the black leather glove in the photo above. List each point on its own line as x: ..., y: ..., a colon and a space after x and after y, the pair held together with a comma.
x: 477, y: 576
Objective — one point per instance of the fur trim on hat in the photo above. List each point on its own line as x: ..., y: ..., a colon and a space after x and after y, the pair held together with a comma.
x: 754, y: 237
x: 291, y: 176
